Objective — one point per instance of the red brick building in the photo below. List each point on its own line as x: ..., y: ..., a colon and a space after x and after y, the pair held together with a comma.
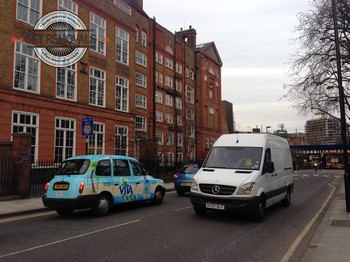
x: 151, y: 93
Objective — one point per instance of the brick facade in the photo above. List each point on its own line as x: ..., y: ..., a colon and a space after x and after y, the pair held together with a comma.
x: 42, y: 111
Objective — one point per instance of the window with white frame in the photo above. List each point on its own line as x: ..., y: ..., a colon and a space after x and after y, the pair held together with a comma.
x: 122, y: 46
x: 179, y: 120
x: 178, y: 103
x: 192, y: 74
x: 64, y: 138
x: 68, y: 5
x: 169, y: 118
x: 189, y: 94
x: 187, y: 72
x: 189, y: 114
x: 179, y: 157
x: 122, y: 94
x: 169, y: 63
x: 143, y: 38
x: 159, y: 116
x: 141, y: 123
x: 169, y: 81
x: 211, y: 90
x: 159, y: 97
x: 170, y: 158
x: 66, y: 82
x: 178, y: 68
x: 212, y: 141
x: 159, y: 58
x: 141, y: 80
x: 170, y: 139
x: 211, y: 111
x: 141, y: 101
x: 190, y: 131
x: 141, y: 58
x: 26, y: 68
x: 178, y: 84
x: 97, y: 87
x: 180, y: 140
x: 121, y: 140
x: 29, y: 11
x: 159, y: 137
x: 97, y: 34
x: 160, y: 158
x: 159, y: 77
x: 169, y: 101
x: 96, y: 141
x: 207, y: 142
x: 25, y: 122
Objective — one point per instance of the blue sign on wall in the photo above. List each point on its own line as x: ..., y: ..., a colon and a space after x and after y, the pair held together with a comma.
x: 87, y: 127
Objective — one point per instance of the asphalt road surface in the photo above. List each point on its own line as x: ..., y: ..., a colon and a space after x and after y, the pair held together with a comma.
x: 169, y: 232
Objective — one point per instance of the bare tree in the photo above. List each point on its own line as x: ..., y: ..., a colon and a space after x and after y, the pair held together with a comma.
x: 313, y: 73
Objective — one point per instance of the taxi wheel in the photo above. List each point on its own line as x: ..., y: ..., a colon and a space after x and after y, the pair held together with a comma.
x: 102, y: 205
x: 64, y: 211
x: 158, y: 196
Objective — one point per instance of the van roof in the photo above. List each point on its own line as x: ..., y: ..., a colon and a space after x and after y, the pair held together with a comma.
x: 250, y: 139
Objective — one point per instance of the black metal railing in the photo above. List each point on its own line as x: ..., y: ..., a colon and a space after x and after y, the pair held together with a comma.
x: 8, y: 177
x: 42, y: 171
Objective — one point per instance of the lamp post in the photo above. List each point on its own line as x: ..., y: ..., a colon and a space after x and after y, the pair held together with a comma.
x: 342, y: 110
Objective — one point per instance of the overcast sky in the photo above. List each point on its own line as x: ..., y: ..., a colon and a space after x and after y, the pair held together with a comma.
x: 254, y: 40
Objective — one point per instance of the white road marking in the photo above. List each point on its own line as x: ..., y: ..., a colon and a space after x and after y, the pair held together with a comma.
x: 68, y: 239
x: 293, y: 247
x: 180, y: 209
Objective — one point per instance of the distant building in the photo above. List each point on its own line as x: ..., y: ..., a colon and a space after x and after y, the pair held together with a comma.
x: 227, y: 119
x: 323, y: 131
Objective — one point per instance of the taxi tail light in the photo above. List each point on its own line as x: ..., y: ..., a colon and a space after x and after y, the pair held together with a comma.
x: 176, y: 176
x: 81, y: 187
x: 46, y: 187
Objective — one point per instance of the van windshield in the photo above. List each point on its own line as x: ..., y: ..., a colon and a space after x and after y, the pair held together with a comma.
x: 234, y: 157
x: 74, y: 167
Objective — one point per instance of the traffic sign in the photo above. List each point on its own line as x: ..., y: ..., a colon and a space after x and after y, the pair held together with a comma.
x: 87, y: 126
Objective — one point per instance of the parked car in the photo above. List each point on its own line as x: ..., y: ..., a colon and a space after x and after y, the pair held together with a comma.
x: 99, y: 182
x: 183, y: 178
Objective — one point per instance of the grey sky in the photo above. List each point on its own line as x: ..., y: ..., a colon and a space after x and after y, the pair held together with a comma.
x: 254, y: 40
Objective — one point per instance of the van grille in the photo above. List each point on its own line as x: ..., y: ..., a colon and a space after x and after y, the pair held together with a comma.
x: 221, y: 190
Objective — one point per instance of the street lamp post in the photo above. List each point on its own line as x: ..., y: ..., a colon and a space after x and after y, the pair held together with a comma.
x: 342, y: 111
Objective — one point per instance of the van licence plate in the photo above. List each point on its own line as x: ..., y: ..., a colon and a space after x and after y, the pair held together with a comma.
x: 215, y: 206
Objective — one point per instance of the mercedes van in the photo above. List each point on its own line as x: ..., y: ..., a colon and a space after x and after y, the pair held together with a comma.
x: 244, y: 173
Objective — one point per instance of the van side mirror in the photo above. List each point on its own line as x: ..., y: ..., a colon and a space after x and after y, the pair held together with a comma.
x: 269, y: 167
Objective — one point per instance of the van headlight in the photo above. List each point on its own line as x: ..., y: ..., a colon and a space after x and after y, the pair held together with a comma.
x: 246, y: 189
x: 194, y: 185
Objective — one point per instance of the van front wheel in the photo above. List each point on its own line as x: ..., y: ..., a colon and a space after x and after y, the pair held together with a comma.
x: 259, y: 210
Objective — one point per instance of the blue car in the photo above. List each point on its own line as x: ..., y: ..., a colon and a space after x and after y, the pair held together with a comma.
x: 183, y: 178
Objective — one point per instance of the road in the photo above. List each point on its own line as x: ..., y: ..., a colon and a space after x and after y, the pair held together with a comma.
x: 171, y: 231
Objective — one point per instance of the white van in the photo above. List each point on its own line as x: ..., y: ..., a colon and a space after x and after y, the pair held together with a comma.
x: 244, y: 173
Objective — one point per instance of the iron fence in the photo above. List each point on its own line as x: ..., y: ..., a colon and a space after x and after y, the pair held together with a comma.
x: 8, y: 177
x: 42, y: 171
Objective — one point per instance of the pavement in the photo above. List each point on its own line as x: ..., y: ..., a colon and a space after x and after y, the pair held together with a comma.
x: 331, y: 241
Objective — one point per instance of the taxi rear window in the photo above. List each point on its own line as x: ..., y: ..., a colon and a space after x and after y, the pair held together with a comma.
x: 74, y: 167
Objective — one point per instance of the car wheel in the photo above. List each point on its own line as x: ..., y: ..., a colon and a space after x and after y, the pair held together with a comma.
x: 64, y: 211
x: 158, y: 196
x: 180, y: 193
x: 102, y: 205
x: 259, y: 210
x: 199, y: 210
x: 286, y: 201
